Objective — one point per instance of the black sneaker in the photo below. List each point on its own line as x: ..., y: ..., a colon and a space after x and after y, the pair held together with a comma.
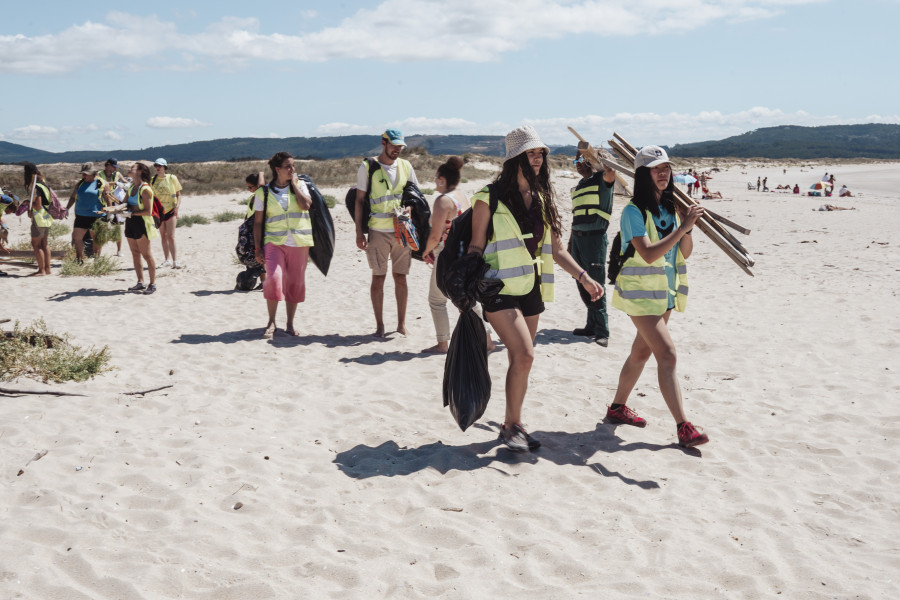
x: 584, y: 331
x: 533, y: 444
x: 514, y: 437
x: 137, y: 288
x: 150, y: 289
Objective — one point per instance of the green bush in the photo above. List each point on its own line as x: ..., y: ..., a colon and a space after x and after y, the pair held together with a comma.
x: 427, y: 191
x: 59, y: 228
x: 191, y: 220
x: 34, y: 352
x: 96, y: 267
x: 330, y: 201
x: 228, y: 215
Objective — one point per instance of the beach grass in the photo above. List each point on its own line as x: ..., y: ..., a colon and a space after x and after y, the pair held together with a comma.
x: 96, y: 267
x: 191, y: 220
x: 32, y: 351
x: 228, y: 215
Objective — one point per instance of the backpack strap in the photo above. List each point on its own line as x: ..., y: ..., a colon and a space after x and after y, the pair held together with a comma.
x: 373, y: 168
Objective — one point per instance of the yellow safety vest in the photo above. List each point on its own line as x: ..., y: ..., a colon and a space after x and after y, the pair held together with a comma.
x: 280, y: 223
x: 42, y: 217
x: 250, y: 209
x: 383, y: 198
x: 149, y: 223
x: 586, y: 202
x: 166, y: 190
x: 643, y: 288
x: 508, y: 257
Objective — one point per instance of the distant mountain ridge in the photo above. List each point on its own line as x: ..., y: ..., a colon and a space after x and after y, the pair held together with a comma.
x: 873, y: 140
x: 786, y: 141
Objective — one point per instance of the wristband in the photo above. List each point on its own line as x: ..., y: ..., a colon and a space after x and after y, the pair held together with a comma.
x: 580, y: 275
x: 688, y: 232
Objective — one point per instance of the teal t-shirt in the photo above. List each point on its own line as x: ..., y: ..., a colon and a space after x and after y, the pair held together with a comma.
x: 632, y: 225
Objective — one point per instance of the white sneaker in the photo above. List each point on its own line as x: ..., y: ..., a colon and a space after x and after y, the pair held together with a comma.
x: 119, y: 254
x: 175, y: 265
x: 168, y: 263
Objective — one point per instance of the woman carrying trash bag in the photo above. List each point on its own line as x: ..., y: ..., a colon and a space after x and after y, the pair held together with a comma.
x: 283, y: 239
x: 524, y: 242
x: 653, y: 281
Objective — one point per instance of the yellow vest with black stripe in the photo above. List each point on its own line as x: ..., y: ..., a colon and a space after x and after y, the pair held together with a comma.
x: 384, y: 198
x: 508, y: 257
x: 149, y: 224
x: 42, y: 216
x: 280, y: 223
x: 586, y: 202
x: 642, y: 288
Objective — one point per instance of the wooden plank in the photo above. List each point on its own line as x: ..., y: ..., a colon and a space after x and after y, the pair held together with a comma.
x: 725, y: 221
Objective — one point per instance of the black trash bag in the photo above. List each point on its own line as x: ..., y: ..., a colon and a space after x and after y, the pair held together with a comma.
x: 464, y: 282
x: 322, y: 227
x: 467, y: 382
x: 420, y: 215
x: 246, y: 280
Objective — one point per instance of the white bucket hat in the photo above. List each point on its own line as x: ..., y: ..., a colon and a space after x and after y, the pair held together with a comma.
x: 651, y: 156
x: 522, y: 139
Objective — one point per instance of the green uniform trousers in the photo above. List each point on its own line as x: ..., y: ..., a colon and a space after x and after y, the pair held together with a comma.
x: 589, y: 251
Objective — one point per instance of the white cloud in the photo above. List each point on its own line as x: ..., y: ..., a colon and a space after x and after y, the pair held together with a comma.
x: 34, y: 132
x: 463, y: 30
x: 112, y: 135
x: 175, y: 123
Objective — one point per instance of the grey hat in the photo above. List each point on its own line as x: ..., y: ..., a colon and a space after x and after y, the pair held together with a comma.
x: 651, y: 156
x: 88, y: 168
x: 161, y: 162
x: 522, y: 139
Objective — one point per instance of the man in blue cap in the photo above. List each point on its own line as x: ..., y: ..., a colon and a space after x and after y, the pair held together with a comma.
x: 384, y: 192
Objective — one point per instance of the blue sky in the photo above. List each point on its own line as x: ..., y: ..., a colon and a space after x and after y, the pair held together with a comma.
x: 84, y: 76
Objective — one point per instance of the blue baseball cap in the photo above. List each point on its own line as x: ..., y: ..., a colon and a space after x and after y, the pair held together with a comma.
x: 161, y: 161
x: 394, y: 136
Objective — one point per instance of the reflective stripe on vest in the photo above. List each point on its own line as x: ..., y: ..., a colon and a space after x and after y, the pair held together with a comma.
x: 586, y: 201
x: 642, y: 288
x: 509, y: 259
x: 279, y: 223
x: 383, y: 198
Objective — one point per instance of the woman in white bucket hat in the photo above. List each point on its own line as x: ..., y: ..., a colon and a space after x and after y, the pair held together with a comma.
x: 520, y: 240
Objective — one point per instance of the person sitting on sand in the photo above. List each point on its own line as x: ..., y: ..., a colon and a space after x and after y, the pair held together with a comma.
x: 283, y: 240
x: 652, y: 282
x: 831, y: 207
x: 796, y: 188
x: 845, y: 192
x: 525, y: 207
x: 40, y: 217
x: 140, y: 228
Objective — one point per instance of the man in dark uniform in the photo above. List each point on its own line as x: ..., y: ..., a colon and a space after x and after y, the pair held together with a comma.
x: 591, y: 208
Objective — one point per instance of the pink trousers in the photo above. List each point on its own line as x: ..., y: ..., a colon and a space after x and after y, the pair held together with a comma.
x: 285, y: 273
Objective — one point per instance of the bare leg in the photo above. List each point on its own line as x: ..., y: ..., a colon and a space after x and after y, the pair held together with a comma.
x: 136, y: 259
x: 272, y: 307
x: 376, y: 291
x: 291, y: 311
x: 78, y: 239
x: 401, y: 292
x: 97, y: 248
x: 143, y: 245
x: 517, y: 334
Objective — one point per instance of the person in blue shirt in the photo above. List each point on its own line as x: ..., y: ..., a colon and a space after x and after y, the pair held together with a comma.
x: 652, y: 282
x: 88, y: 198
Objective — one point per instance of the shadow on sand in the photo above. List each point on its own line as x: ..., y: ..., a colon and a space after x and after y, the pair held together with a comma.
x: 280, y: 339
x: 87, y: 292
x: 560, y: 447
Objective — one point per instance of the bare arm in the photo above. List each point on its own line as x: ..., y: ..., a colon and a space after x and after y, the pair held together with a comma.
x: 73, y: 196
x: 653, y: 252
x: 361, y: 241
x: 443, y: 208
x: 302, y: 199
x: 258, y: 227
x: 568, y: 264
x: 481, y: 216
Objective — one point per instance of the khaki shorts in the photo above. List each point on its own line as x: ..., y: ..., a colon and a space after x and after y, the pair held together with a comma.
x: 383, y: 245
x: 39, y: 232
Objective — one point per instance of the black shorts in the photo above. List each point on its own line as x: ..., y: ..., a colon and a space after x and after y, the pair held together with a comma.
x: 530, y: 304
x: 135, y: 228
x: 84, y: 222
x: 167, y: 216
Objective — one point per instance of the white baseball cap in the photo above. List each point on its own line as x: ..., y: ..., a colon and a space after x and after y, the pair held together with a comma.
x: 651, y: 156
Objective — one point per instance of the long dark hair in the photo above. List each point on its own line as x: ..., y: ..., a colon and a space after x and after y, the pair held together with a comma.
x: 645, y: 192
x: 507, y: 186
x: 276, y: 161
x: 450, y: 171
x: 30, y: 171
x: 145, y: 171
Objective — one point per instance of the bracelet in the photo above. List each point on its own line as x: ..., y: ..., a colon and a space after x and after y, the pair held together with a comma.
x: 580, y: 275
x: 688, y: 232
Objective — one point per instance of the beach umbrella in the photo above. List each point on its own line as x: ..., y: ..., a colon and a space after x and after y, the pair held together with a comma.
x: 688, y: 179
x: 820, y: 185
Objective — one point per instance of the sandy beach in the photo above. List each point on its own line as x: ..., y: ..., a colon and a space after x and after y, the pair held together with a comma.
x: 325, y: 466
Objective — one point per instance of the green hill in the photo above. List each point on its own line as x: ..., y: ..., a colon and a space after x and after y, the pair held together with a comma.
x: 789, y: 141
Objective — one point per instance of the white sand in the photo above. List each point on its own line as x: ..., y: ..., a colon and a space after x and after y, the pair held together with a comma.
x: 356, y: 483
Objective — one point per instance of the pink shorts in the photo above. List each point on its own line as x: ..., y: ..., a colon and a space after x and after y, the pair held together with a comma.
x: 285, y: 273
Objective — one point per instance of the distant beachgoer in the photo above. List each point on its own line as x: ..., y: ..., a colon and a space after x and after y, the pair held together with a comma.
x: 449, y: 204
x: 111, y: 176
x: 40, y: 217
x: 89, y: 198
x: 831, y: 207
x: 253, y: 182
x: 283, y: 239
x: 831, y: 179
x: 758, y: 183
x: 825, y: 177
x: 525, y: 242
x: 651, y: 283
x: 796, y: 188
x: 764, y: 186
x: 140, y: 228
x: 844, y: 192
x: 168, y: 190
x: 690, y: 186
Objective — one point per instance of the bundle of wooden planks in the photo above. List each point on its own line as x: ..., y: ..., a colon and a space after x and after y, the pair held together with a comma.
x: 710, y: 223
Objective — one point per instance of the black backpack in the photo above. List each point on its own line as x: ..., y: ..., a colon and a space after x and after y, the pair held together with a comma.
x: 246, y: 249
x: 350, y: 198
x: 246, y: 279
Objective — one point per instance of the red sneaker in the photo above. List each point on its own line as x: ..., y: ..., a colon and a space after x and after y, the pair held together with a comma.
x: 624, y: 416
x: 688, y: 436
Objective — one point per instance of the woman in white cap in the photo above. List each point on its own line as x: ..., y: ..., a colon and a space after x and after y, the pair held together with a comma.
x: 656, y: 240
x: 516, y: 226
x: 168, y: 189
